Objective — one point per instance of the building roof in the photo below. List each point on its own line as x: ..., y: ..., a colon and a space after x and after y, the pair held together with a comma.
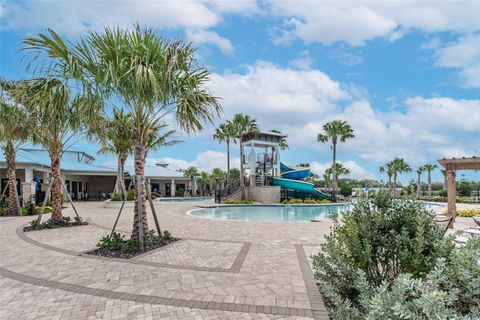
x: 81, y: 163
x: 72, y: 162
x: 463, y: 163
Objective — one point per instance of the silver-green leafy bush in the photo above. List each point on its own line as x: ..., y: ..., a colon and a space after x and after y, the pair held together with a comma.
x: 387, y: 259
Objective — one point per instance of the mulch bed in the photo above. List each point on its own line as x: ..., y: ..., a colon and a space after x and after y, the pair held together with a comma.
x: 152, y: 244
x: 55, y: 226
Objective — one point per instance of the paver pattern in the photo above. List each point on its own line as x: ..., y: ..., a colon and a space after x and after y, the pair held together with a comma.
x: 199, y: 253
x: 222, y: 269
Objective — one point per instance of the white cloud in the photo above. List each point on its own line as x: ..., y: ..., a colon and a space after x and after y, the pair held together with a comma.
x: 204, y: 161
x: 360, y: 21
x: 274, y: 94
x: 299, y: 102
x: 356, y: 170
x: 303, y: 62
x: 74, y: 17
x: 463, y: 55
x: 209, y: 37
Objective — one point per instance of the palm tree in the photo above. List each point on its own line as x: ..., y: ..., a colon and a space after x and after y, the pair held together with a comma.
x: 429, y: 167
x: 420, y: 170
x: 326, y: 176
x: 225, y: 133
x: 282, y: 144
x: 191, y: 173
x: 243, y: 125
x: 203, y: 180
x: 59, y: 116
x: 150, y: 76
x: 115, y: 138
x: 340, y: 169
x: 399, y: 165
x: 388, y: 168
x: 218, y: 177
x: 444, y: 172
x: 14, y: 131
x: 335, y: 131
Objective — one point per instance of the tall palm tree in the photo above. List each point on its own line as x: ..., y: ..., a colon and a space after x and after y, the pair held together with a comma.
x: 420, y: 170
x: 326, y: 177
x: 225, y: 133
x: 444, y: 173
x: 335, y: 131
x: 429, y: 167
x: 59, y: 115
x: 115, y: 138
x: 388, y: 168
x: 191, y: 173
x: 243, y: 125
x: 14, y: 131
x: 399, y: 166
x: 150, y: 76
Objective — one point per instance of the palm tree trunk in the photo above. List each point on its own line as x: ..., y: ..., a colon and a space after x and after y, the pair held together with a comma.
x: 334, y: 170
x: 120, y: 175
x: 12, y: 179
x: 389, y: 182
x: 242, y: 180
x: 395, y: 185
x: 56, y: 187
x: 228, y: 161
x: 419, y: 186
x: 429, y: 184
x: 139, y: 155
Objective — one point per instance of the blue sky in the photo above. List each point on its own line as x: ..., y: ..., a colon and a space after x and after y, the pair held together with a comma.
x: 405, y: 75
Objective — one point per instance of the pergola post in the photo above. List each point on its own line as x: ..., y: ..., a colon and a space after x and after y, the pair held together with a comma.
x: 452, y: 196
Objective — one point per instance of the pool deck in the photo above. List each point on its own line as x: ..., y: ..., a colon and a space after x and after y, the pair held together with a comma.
x: 219, y: 270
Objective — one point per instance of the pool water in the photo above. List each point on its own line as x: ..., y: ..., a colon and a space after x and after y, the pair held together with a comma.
x: 192, y: 199
x: 275, y: 213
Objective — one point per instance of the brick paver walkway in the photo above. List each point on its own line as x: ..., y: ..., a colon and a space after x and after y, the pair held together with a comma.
x: 219, y: 270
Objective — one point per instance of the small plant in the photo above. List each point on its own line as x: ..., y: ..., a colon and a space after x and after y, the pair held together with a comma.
x: 130, y: 246
x: 78, y: 220
x: 167, y: 235
x: 34, y: 223
x: 233, y: 201
x: 467, y: 213
x: 115, y: 242
x: 115, y: 197
x: 130, y: 195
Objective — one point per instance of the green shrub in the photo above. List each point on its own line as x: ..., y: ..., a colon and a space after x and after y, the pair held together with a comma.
x: 233, y: 201
x: 443, y: 193
x: 130, y: 195
x: 115, y: 242
x: 346, y: 189
x: 373, y: 244
x: 116, y: 197
x: 451, y: 290
x: 167, y: 235
x: 179, y: 192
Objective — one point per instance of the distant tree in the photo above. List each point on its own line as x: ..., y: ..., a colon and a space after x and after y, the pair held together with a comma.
x: 225, y: 133
x: 191, y: 173
x: 217, y: 177
x: 114, y: 136
x: 282, y: 144
x: 387, y: 168
x: 234, y: 174
x: 464, y: 188
x: 399, y: 166
x: 429, y: 167
x: 203, y: 182
x: 335, y: 131
x: 243, y: 125
x: 420, y: 170
x: 14, y: 132
x: 444, y: 173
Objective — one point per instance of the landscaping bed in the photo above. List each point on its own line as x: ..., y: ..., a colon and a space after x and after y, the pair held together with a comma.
x: 65, y: 222
x: 118, y: 247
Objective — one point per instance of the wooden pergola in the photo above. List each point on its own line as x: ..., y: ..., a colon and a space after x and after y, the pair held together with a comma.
x: 451, y: 166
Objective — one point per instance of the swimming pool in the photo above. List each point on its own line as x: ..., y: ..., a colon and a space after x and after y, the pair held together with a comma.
x: 192, y: 199
x: 274, y: 213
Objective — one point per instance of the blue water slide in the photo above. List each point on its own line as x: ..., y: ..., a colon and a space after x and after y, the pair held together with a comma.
x: 291, y: 181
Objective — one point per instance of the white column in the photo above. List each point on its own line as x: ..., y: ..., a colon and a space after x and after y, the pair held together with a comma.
x: 253, y: 163
x: 28, y: 175
x: 172, y: 188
